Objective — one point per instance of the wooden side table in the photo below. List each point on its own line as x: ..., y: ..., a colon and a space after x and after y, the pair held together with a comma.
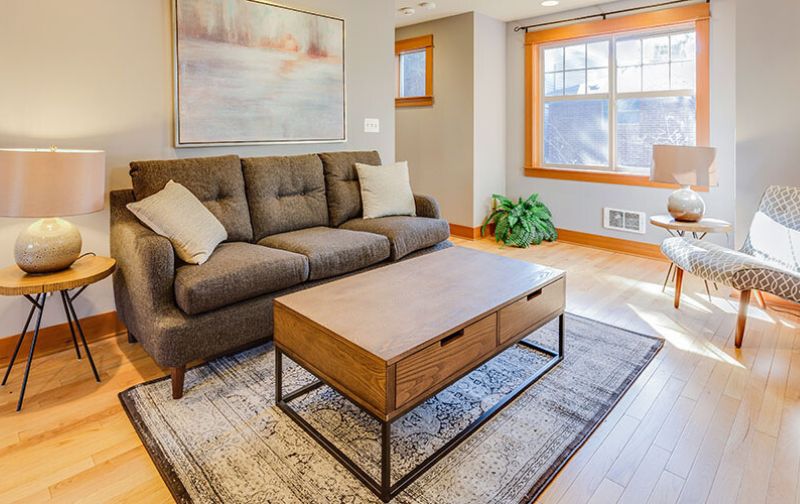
x: 698, y: 230
x: 36, y: 288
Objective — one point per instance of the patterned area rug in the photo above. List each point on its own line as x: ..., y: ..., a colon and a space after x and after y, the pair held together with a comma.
x: 225, y: 441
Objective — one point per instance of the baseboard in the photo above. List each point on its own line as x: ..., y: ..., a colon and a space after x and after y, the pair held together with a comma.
x: 58, y: 337
x: 466, y: 232
x: 649, y: 250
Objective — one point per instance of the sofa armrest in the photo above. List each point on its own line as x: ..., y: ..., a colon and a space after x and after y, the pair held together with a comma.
x: 427, y: 206
x: 144, y: 280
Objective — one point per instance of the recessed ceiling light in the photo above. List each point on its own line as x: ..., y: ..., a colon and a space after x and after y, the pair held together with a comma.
x: 428, y: 5
x: 408, y: 11
x: 549, y: 3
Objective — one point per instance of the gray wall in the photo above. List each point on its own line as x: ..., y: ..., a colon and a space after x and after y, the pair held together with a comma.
x: 456, y: 149
x: 767, y: 101
x: 578, y: 205
x: 437, y: 141
x: 490, y: 114
x: 98, y: 74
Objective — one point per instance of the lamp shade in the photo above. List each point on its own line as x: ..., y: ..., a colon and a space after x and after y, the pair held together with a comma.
x: 684, y: 165
x: 51, y: 183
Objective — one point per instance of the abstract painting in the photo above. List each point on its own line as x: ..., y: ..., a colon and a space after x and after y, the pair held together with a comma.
x: 249, y: 72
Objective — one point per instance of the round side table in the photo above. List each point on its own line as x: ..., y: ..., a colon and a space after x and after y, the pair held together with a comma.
x: 698, y: 230
x: 37, y: 288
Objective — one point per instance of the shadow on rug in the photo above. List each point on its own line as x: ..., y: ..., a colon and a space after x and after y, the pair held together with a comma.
x: 226, y: 441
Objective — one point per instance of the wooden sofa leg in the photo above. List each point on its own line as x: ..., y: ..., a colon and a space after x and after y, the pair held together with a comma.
x: 678, y: 285
x: 741, y: 321
x: 131, y: 338
x: 177, y: 381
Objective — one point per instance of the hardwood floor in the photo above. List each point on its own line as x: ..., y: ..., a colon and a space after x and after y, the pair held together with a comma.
x: 705, y: 422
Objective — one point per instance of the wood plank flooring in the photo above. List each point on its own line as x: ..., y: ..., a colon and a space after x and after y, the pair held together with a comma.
x: 704, y: 422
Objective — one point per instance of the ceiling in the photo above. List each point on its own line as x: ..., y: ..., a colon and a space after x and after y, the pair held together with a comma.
x: 504, y: 10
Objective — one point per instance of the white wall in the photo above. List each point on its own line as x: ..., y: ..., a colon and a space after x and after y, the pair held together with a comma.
x: 490, y: 115
x: 437, y: 141
x: 767, y: 101
x: 578, y: 206
x: 98, y: 74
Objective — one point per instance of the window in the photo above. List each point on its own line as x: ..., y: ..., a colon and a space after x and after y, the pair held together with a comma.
x: 600, y: 94
x: 414, y: 72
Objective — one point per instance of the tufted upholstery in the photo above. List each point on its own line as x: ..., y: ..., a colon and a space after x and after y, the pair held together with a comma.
x: 341, y: 179
x: 216, y: 181
x: 767, y: 262
x: 285, y: 193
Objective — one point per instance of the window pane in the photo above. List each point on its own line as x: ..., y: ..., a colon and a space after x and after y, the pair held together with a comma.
x: 597, y: 54
x: 655, y: 77
x: 597, y: 81
x: 656, y: 49
x: 554, y: 84
x: 575, y: 82
x: 683, y: 46
x: 412, y: 73
x: 642, y: 122
x: 554, y: 59
x: 629, y: 79
x: 629, y: 52
x: 576, y: 132
x: 575, y: 57
x: 683, y: 75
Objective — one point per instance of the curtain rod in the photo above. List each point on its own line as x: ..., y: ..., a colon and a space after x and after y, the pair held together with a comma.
x: 601, y: 14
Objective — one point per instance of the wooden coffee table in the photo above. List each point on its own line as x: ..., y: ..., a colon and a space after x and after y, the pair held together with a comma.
x: 393, y: 337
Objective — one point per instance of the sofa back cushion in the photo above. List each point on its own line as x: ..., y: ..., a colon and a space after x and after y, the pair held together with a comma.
x: 216, y: 181
x: 285, y: 193
x: 341, y: 180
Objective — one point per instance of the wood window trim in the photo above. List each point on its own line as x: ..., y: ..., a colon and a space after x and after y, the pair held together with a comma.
x: 409, y: 45
x: 699, y: 14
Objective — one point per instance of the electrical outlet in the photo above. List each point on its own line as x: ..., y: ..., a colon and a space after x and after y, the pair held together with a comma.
x: 372, y: 125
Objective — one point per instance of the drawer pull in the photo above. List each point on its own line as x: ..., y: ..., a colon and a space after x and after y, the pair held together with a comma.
x: 535, y: 294
x: 449, y: 339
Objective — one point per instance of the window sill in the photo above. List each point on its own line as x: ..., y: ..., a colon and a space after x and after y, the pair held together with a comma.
x: 414, y: 101
x: 600, y: 177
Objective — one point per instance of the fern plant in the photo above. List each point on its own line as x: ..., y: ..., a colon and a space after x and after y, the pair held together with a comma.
x: 521, y: 223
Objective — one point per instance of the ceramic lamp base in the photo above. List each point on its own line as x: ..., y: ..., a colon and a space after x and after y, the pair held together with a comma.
x: 48, y: 245
x: 686, y: 205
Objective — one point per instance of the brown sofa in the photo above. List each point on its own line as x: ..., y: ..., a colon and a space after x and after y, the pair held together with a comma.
x: 292, y: 223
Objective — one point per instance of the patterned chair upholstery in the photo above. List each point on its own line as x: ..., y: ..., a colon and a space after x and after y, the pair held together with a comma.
x: 769, y: 260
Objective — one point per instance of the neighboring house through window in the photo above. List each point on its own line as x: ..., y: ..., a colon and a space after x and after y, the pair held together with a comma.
x: 414, y: 72
x: 600, y: 94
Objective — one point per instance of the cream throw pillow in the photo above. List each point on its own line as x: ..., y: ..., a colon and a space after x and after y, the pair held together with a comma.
x: 385, y: 190
x: 175, y: 213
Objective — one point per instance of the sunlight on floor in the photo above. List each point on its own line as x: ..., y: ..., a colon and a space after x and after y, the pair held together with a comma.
x: 679, y: 337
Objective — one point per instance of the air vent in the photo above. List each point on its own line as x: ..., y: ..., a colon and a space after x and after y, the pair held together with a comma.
x: 624, y: 220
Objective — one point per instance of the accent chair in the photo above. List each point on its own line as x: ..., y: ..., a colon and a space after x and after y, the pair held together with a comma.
x: 769, y: 260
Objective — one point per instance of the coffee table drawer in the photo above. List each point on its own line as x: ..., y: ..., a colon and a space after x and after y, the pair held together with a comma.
x: 434, y: 364
x: 530, y: 310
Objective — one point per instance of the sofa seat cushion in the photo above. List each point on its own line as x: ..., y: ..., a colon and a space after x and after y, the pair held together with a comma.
x: 405, y: 234
x: 236, y: 272
x: 330, y: 251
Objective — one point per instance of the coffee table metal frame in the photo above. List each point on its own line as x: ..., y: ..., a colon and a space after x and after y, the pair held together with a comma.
x: 384, y: 488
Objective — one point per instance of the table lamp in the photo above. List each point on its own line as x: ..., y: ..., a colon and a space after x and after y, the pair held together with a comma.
x: 50, y: 184
x: 687, y: 166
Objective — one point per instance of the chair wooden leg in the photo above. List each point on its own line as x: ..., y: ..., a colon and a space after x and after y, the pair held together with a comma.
x: 678, y: 285
x: 177, y: 381
x: 741, y: 321
x: 762, y: 303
